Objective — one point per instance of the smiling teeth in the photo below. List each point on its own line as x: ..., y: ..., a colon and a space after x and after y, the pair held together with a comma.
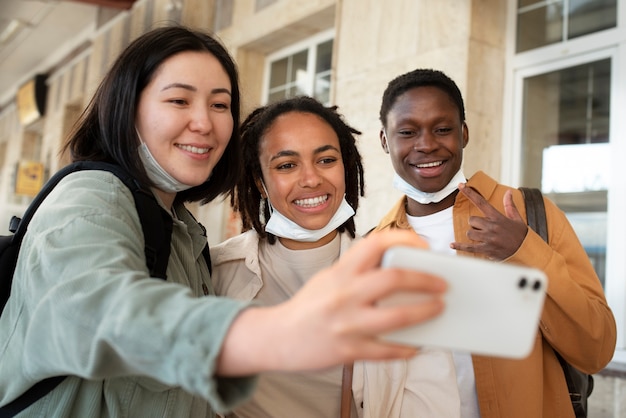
x: 193, y: 149
x: 427, y: 165
x: 315, y: 201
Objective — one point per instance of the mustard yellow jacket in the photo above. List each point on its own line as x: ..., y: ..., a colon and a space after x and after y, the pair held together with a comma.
x: 576, y: 320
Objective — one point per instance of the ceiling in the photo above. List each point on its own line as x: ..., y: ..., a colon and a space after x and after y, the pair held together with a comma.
x: 36, y: 34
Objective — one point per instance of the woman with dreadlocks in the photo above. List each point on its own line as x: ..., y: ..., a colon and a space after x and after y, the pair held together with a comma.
x: 297, y: 201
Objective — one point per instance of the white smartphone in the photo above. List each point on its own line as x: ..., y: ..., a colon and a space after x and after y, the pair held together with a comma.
x: 492, y: 308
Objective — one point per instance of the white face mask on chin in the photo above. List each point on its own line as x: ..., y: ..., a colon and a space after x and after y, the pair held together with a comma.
x: 283, y: 227
x: 161, y: 178
x: 423, y: 197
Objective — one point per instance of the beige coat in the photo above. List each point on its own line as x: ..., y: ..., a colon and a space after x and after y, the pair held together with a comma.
x: 424, y: 386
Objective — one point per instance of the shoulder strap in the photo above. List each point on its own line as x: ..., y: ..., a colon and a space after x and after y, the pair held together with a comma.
x: 346, y: 391
x: 579, y: 384
x: 535, y: 211
x: 156, y: 224
x: 207, y: 258
x: 18, y: 227
x: 154, y: 219
x: 37, y: 391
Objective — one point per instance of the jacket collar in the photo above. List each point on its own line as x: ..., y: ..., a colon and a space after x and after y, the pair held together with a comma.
x: 397, y: 216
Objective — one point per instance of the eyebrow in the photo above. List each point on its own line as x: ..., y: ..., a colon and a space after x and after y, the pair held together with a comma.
x: 289, y: 153
x: 192, y: 88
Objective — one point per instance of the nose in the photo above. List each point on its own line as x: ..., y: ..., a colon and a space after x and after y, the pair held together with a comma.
x: 201, y: 120
x: 425, y: 142
x: 310, y: 177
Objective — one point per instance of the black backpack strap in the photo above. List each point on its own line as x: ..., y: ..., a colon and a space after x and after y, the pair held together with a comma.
x: 579, y: 384
x: 157, y: 227
x: 37, y: 391
x: 156, y: 224
x: 154, y: 219
x: 18, y: 227
x: 207, y: 257
x: 535, y: 211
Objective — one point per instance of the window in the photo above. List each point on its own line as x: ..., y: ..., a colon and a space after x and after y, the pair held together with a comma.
x: 566, y: 133
x: 301, y: 69
x: 565, y: 149
x: 546, y: 22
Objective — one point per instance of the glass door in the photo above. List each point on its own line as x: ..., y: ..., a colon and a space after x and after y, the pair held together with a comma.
x: 565, y: 147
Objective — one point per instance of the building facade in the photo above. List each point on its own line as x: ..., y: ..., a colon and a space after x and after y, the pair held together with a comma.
x: 544, y: 84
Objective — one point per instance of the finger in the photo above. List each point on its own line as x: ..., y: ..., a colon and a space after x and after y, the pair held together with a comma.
x: 381, y: 283
x: 479, y: 223
x: 482, y: 231
x: 510, y: 210
x: 367, y: 253
x: 479, y: 201
x: 376, y: 349
x: 369, y: 348
x: 468, y: 248
x: 389, y: 317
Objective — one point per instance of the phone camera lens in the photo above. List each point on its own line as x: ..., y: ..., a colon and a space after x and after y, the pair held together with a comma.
x: 537, y: 285
x: 522, y: 282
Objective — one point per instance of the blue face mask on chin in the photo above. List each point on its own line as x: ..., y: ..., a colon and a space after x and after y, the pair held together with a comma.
x: 157, y: 174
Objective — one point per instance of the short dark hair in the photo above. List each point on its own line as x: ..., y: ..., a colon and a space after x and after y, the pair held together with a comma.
x: 106, y: 129
x: 246, y: 198
x: 420, y: 78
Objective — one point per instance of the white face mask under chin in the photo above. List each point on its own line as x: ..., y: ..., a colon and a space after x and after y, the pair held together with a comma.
x: 161, y: 178
x: 423, y: 197
x: 283, y: 227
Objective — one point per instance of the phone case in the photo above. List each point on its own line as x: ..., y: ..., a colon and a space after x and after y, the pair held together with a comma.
x: 492, y: 308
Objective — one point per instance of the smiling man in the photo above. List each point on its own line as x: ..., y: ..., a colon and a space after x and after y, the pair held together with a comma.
x: 424, y: 131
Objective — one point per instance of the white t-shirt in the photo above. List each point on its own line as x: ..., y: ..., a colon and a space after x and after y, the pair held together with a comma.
x: 281, y: 394
x: 438, y: 230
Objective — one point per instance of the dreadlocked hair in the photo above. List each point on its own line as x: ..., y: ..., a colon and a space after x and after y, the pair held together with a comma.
x: 246, y: 198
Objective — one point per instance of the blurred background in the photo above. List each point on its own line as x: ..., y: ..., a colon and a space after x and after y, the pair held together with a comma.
x: 544, y: 84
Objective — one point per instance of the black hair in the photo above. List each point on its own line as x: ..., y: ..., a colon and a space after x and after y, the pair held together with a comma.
x: 106, y: 129
x: 246, y: 198
x: 420, y: 78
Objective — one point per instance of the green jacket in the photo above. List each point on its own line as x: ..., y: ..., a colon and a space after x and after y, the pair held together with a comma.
x: 83, y: 305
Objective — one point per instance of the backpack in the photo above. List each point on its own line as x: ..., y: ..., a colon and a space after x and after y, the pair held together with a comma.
x: 156, y: 224
x: 579, y: 384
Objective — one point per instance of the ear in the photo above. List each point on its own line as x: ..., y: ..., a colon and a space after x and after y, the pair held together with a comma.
x: 383, y: 141
x: 260, y: 188
x: 465, y: 134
